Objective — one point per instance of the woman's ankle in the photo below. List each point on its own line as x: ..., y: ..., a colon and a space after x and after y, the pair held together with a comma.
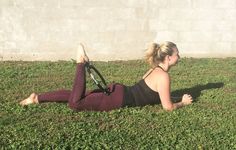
x: 36, y: 101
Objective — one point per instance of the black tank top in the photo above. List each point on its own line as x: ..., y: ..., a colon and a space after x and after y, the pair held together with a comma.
x: 140, y: 95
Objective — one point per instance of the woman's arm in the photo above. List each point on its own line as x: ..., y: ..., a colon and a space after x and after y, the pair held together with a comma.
x: 163, y: 88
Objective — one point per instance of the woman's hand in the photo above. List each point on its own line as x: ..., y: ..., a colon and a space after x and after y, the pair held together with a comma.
x: 187, y: 99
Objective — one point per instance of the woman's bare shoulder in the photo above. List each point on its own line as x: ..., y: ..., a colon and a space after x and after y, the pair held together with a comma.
x: 158, y: 73
x: 147, y: 73
x: 156, y: 79
x: 160, y: 77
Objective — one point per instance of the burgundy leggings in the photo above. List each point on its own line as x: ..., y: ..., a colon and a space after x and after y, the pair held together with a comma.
x: 79, y: 99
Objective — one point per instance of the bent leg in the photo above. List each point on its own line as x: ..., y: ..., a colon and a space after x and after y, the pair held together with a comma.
x: 79, y: 86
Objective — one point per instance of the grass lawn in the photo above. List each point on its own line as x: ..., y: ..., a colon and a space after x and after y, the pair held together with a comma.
x: 209, y: 123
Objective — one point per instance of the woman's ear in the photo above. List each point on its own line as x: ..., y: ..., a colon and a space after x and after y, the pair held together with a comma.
x: 168, y: 57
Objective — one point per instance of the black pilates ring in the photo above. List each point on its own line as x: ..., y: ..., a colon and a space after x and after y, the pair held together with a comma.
x: 101, y: 85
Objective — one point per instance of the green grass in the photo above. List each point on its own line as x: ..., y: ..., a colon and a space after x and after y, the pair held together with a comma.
x: 209, y: 123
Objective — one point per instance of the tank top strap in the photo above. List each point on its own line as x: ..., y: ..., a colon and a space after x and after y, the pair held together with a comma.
x: 149, y: 73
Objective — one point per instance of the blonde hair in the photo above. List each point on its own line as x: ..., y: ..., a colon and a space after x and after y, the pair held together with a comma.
x: 156, y: 53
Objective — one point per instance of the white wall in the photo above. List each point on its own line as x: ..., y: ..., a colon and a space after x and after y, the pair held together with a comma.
x: 115, y: 29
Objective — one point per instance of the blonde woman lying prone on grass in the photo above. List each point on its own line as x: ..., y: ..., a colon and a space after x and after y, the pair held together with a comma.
x: 153, y: 88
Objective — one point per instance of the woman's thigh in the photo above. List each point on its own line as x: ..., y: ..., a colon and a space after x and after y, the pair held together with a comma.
x: 98, y: 101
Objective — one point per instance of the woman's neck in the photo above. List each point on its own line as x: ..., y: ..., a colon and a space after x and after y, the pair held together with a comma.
x: 164, y: 67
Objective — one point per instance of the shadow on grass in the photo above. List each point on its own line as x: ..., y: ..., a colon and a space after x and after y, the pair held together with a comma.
x: 195, y: 91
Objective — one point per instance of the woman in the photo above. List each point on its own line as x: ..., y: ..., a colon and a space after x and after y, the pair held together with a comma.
x: 154, y: 88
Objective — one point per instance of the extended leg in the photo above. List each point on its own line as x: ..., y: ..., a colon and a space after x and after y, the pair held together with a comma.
x: 54, y: 96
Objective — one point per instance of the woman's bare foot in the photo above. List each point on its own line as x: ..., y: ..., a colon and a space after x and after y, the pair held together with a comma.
x: 32, y: 99
x: 81, y: 54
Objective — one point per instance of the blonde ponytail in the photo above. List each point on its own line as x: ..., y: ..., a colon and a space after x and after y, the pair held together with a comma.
x: 151, y: 52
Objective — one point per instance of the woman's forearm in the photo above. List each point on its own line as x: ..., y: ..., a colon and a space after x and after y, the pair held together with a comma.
x: 174, y: 106
x: 178, y: 105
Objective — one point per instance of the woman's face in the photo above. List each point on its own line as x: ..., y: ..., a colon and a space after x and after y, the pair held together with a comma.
x: 173, y: 59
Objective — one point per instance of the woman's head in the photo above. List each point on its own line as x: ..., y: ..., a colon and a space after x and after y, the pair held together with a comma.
x: 157, y: 53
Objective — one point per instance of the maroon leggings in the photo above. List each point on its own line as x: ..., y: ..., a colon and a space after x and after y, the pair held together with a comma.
x: 79, y: 99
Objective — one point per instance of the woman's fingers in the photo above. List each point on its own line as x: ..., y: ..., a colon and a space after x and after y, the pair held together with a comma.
x: 189, y: 97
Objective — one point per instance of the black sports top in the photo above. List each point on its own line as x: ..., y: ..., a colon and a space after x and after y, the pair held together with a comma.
x: 140, y: 95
